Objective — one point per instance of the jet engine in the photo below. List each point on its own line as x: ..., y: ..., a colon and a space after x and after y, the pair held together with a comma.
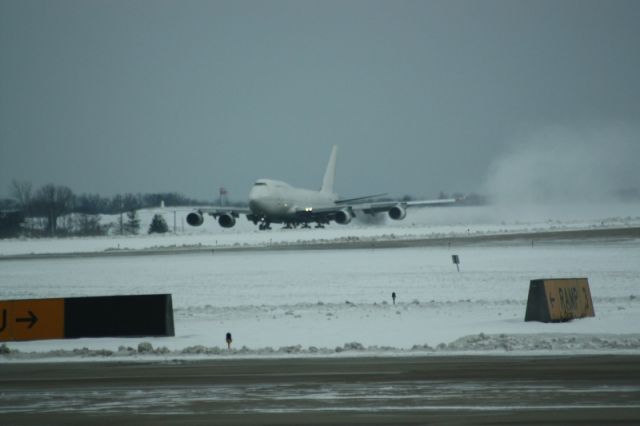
x: 227, y: 220
x: 195, y: 219
x: 397, y: 212
x: 343, y: 217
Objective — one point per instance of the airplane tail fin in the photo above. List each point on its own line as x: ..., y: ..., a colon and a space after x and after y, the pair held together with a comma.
x: 330, y: 174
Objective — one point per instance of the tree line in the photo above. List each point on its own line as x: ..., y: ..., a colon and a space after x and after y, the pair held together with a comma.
x: 54, y: 210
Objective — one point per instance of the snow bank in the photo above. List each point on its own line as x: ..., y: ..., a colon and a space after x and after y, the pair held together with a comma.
x: 485, y: 344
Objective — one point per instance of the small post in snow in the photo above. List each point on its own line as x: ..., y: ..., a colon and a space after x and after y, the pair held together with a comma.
x: 229, y: 340
x: 456, y: 261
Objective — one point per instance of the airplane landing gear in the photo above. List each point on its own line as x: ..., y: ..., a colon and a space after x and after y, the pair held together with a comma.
x: 264, y: 226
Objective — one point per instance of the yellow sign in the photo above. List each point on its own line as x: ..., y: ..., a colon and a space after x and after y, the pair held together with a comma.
x: 568, y: 298
x: 559, y: 299
x: 31, y: 319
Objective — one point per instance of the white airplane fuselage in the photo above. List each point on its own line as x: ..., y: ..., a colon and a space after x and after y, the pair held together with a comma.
x: 274, y: 201
x: 279, y: 201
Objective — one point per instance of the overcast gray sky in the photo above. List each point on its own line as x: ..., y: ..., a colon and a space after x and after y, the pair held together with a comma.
x: 142, y: 96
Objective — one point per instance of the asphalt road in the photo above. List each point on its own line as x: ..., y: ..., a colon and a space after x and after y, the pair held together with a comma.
x: 503, y: 390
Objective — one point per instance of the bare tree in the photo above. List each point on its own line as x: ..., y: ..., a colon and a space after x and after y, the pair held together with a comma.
x: 21, y: 191
x: 51, y: 202
x: 131, y: 202
x: 88, y: 224
x: 91, y: 204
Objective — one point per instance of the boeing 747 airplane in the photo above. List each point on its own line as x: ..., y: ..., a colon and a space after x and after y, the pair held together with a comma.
x: 272, y: 201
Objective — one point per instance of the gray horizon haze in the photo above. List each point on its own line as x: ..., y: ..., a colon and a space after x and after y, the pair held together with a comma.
x: 506, y: 97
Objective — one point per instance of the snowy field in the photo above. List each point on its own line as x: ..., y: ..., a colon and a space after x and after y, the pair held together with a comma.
x: 338, y: 302
x: 419, y: 223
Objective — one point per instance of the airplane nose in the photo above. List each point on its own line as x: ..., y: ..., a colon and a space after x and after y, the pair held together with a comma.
x: 255, y: 205
x: 256, y: 201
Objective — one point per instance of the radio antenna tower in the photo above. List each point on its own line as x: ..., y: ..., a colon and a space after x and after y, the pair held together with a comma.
x: 223, y: 196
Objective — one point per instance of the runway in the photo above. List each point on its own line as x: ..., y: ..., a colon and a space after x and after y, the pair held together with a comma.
x: 567, y: 235
x: 410, y: 390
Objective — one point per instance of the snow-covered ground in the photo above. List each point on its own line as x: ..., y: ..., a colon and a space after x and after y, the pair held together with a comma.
x: 338, y: 302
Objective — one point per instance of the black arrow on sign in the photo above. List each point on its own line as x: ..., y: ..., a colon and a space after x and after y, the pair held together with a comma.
x: 32, y: 319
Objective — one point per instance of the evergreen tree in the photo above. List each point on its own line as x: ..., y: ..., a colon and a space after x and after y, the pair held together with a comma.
x: 133, y: 223
x: 158, y: 225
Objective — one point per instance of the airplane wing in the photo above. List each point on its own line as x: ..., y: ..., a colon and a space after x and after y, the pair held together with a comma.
x: 366, y: 197
x: 384, y: 206
x: 218, y: 210
x: 343, y: 213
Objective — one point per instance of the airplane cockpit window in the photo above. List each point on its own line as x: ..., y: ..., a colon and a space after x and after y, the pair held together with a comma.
x: 260, y: 183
